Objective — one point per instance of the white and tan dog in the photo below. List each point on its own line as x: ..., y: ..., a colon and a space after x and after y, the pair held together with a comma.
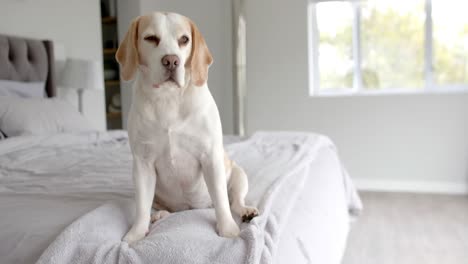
x: 174, y: 126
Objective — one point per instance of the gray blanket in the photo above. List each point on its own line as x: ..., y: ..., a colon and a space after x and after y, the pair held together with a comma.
x: 277, y: 165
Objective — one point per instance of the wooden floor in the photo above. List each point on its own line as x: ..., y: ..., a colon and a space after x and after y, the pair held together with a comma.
x: 400, y: 228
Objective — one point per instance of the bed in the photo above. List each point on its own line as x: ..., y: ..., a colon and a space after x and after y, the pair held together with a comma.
x: 67, y: 196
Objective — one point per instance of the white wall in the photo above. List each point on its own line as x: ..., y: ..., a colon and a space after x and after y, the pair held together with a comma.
x: 75, y: 25
x: 214, y: 21
x: 413, y: 142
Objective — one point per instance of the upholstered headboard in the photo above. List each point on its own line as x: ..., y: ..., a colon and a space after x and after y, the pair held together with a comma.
x: 27, y: 60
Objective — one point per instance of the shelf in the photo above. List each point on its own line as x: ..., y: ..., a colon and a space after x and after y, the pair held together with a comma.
x: 110, y: 51
x: 109, y: 20
x: 114, y: 114
x: 112, y: 83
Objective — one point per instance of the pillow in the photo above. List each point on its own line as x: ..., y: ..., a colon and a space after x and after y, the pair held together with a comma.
x: 22, y: 89
x: 35, y: 116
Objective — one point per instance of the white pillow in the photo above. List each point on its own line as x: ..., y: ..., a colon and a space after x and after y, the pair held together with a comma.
x: 22, y: 89
x: 35, y: 116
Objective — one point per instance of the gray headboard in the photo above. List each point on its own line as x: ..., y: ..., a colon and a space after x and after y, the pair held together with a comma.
x: 27, y: 60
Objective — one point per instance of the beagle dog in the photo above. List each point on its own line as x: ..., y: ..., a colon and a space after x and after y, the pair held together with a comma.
x: 174, y: 128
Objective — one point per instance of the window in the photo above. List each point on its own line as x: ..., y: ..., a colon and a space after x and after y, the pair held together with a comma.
x: 388, y: 46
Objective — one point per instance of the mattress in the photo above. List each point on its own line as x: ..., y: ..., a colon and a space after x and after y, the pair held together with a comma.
x: 47, y: 183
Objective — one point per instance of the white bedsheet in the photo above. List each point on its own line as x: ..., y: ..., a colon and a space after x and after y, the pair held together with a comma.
x: 46, y: 182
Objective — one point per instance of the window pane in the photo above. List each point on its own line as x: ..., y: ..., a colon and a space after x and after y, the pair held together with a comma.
x: 450, y: 25
x: 392, y: 43
x: 334, y: 21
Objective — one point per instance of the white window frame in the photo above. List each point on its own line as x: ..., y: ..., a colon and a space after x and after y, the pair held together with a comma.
x: 314, y: 74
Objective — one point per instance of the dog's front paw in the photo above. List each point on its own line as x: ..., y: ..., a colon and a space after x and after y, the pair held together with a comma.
x: 135, y: 234
x: 228, y: 228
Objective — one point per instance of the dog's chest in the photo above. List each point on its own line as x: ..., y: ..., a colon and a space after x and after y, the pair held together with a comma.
x: 179, y: 148
x: 176, y: 151
x: 166, y: 110
x: 172, y: 134
x: 180, y: 184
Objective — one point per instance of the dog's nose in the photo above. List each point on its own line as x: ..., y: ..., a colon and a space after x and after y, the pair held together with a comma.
x: 170, y: 62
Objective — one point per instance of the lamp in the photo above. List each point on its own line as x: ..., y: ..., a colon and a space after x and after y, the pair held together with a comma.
x: 81, y: 75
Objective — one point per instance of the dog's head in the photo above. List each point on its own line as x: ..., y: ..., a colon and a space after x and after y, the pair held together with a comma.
x: 168, y: 50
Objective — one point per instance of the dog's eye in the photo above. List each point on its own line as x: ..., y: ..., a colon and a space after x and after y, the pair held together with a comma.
x: 183, y: 40
x: 153, y: 38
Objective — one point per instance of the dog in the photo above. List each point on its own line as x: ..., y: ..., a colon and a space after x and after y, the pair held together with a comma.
x: 174, y: 127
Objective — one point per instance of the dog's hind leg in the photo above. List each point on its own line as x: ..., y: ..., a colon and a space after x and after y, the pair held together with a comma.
x: 238, y: 187
x: 158, y: 212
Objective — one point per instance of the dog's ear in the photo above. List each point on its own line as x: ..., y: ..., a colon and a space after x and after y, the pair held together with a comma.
x: 127, y: 53
x: 200, y: 58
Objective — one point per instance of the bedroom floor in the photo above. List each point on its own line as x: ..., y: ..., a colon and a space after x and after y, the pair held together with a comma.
x: 409, y: 229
